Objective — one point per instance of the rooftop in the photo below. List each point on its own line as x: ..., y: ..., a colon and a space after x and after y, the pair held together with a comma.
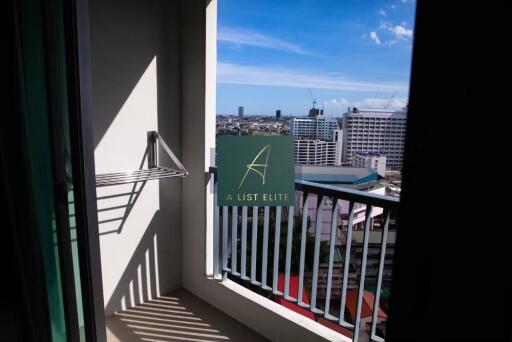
x: 366, y: 308
x: 336, y: 174
x: 377, y: 112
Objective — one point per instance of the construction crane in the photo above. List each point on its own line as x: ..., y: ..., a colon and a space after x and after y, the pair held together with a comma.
x: 390, y: 99
x: 312, y: 98
x: 373, y: 100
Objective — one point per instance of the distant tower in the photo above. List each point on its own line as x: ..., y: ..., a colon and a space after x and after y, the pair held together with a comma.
x: 241, y: 111
x: 278, y: 114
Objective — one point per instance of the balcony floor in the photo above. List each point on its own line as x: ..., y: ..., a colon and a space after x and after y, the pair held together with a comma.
x: 179, y: 316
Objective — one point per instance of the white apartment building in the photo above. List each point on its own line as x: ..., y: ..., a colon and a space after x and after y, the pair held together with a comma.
x: 320, y: 127
x: 375, y: 130
x: 319, y: 152
x: 316, y: 152
x: 368, y: 159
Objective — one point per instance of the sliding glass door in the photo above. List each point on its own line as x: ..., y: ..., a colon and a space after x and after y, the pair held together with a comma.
x: 50, y: 137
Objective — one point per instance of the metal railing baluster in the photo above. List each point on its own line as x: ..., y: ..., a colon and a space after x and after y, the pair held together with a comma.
x: 234, y: 240
x: 316, y: 257
x: 360, y: 291
x: 216, y: 235
x: 243, y: 249
x: 346, y: 265
x: 264, y: 259
x: 302, y: 259
x: 277, y: 235
x: 289, y: 245
x: 225, y: 216
x: 332, y: 245
x: 376, y: 303
x: 254, y: 245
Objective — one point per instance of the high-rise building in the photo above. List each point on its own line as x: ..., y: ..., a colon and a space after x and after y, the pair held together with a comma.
x: 241, y: 111
x: 321, y: 127
x: 369, y: 159
x: 377, y: 131
x: 316, y: 152
x: 278, y: 114
x: 338, y: 138
x: 319, y: 152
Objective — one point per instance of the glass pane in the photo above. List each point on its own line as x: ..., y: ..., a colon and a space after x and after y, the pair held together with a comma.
x: 40, y: 159
x: 45, y: 84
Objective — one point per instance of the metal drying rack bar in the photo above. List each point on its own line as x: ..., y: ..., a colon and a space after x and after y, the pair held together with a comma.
x: 154, y: 171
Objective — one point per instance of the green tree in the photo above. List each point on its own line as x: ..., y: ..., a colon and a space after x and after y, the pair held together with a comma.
x: 296, y: 242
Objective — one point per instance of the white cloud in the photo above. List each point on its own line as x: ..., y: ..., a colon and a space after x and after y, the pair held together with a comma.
x: 237, y: 37
x: 401, y: 32
x: 275, y: 76
x: 334, y: 106
x: 385, y: 25
x: 382, y: 12
x: 336, y: 103
x: 375, y: 37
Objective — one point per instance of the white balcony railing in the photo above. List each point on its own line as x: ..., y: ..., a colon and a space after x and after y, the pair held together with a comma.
x: 233, y: 256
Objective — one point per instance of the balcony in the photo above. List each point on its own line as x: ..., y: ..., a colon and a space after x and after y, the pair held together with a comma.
x: 254, y: 247
x: 274, y: 263
x: 165, y: 246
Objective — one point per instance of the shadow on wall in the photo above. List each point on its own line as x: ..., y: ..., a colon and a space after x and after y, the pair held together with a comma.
x: 136, y: 87
x: 140, y: 281
x: 116, y: 224
x: 104, y: 217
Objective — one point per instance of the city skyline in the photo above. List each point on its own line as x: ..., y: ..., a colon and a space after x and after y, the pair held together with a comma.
x: 355, y: 54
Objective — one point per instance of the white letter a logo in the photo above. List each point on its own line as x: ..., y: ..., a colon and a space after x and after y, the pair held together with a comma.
x: 257, y: 166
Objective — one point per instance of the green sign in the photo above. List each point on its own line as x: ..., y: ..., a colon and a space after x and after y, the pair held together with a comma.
x: 255, y: 170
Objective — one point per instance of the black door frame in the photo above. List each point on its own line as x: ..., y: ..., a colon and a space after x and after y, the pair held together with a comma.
x: 76, y: 14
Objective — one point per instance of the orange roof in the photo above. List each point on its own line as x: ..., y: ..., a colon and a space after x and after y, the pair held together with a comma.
x: 294, y: 290
x: 294, y: 287
x: 366, y: 307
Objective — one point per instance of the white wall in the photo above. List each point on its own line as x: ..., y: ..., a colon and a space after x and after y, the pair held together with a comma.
x: 136, y: 88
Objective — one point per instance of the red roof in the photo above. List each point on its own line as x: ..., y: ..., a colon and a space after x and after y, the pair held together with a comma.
x: 294, y: 290
x: 367, y: 305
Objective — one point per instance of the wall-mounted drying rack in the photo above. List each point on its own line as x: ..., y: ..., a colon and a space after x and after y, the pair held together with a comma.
x: 154, y: 171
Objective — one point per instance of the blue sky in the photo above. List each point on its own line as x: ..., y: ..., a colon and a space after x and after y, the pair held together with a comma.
x: 348, y: 52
